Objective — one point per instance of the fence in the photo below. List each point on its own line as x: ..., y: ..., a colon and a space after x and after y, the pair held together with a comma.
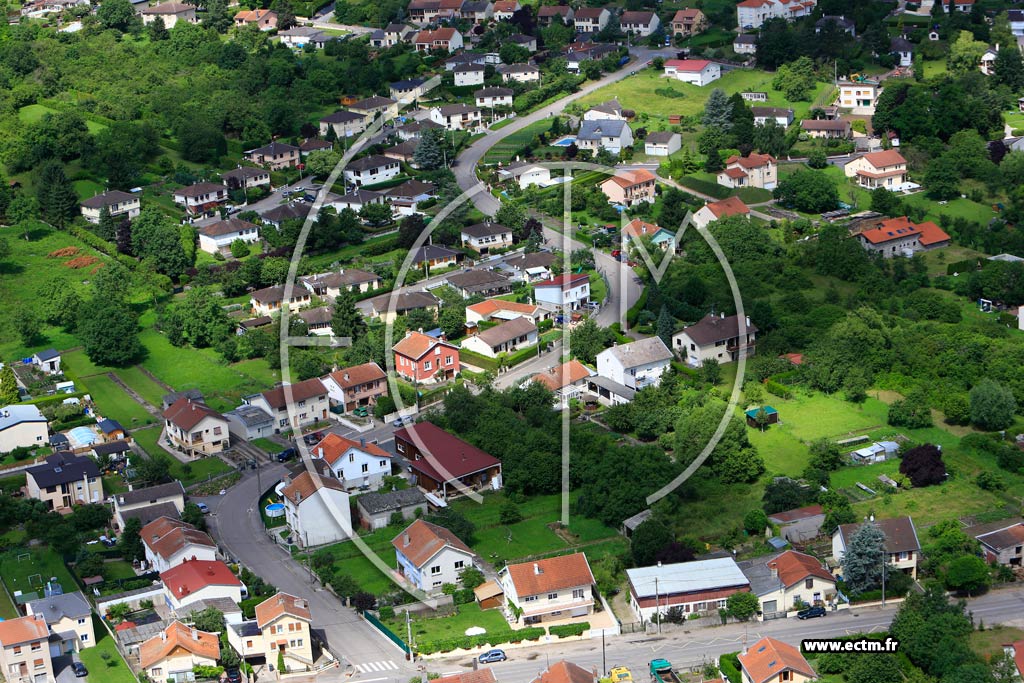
x: 379, y: 625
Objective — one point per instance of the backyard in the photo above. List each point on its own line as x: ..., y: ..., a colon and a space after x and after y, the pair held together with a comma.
x: 468, y: 616
x: 103, y: 660
x: 28, y: 571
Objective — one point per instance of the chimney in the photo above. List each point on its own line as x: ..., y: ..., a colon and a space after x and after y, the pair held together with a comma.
x: 121, y: 500
x: 195, y: 634
x: 536, y: 569
x: 163, y: 636
x: 407, y: 540
x: 659, y: 563
x: 346, y: 376
x: 320, y: 451
x: 722, y: 315
x: 872, y: 517
x: 748, y: 321
x: 362, y: 442
x: 774, y: 566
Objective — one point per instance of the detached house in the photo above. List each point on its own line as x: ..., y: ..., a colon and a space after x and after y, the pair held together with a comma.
x: 69, y: 617
x: 422, y: 358
x: 838, y: 129
x: 779, y: 115
x: 640, y: 24
x: 637, y: 364
x: 520, y: 73
x: 660, y: 237
x: 492, y: 97
x: 688, y: 22
x: 485, y: 237
x: 317, y: 509
x: 627, y: 188
x: 553, y: 589
x: 903, y: 550
x: 201, y: 197
x: 150, y: 503
x: 468, y: 74
x: 345, y: 123
x: 116, y: 202
x: 172, y: 655
x: 307, y: 399
x: 567, y: 381
x: 610, y: 135
x: 275, y: 156
x: 213, y: 237
x: 699, y: 72
x: 526, y: 174
x: 745, y: 44
x: 508, y: 337
x: 801, y: 524
x: 548, y: 14
x: 247, y: 177
x: 376, y: 509
x: 409, y: 90
x: 375, y: 107
x: 477, y: 11
x: 715, y: 337
x: 196, y: 429
x: 269, y: 300
x: 569, y: 289
x: 456, y: 116
x: 284, y: 622
x: 504, y: 9
x: 22, y: 426
x: 694, y: 587
x: 64, y: 480
x: 591, y: 19
x: 169, y: 542
x: 886, y: 169
x: 788, y: 581
x: 170, y: 13
x: 265, y: 19
x: 356, y: 464
x: 611, y: 110
x: 480, y: 282
x: 195, y: 580
x: 1001, y: 542
x: 713, y: 211
x: 387, y: 307
x: 769, y: 660
x: 372, y: 170
x: 25, y: 651
x: 900, y: 237
x: 444, y: 39
x: 359, y: 385
x: 429, y: 556
x: 498, y: 309
x: 443, y: 464
x: 859, y: 97
x: 391, y: 35
x: 756, y: 170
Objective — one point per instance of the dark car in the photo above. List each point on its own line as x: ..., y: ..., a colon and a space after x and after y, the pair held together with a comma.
x: 313, y: 438
x: 811, y: 612
x: 286, y: 455
x: 79, y: 669
x: 493, y: 656
x: 233, y: 675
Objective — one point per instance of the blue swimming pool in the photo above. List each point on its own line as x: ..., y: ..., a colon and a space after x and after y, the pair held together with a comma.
x: 564, y: 142
x: 82, y: 436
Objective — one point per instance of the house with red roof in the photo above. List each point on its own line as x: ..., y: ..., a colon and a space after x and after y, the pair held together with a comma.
x: 553, y: 589
x: 168, y: 542
x: 172, y: 654
x: 567, y: 381
x: 355, y: 386
x: 661, y: 237
x: 195, y: 428
x: 194, y: 580
x: 499, y: 310
x: 1016, y: 650
x: 789, y: 581
x: 568, y: 289
x: 713, y: 211
x: 316, y: 507
x: 356, y: 464
x: 443, y: 464
x: 688, y: 22
x: 281, y: 627
x: 629, y: 188
x: 420, y: 357
x: 756, y: 170
x: 295, y: 405
x: 900, y: 237
x: 886, y: 169
x: 430, y: 556
x: 696, y: 71
x: 770, y: 660
x: 444, y: 39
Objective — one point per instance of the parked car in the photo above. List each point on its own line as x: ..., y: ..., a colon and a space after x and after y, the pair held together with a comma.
x: 399, y: 422
x: 811, y: 612
x: 313, y: 438
x: 233, y: 675
x: 79, y: 669
x: 204, y: 508
x: 493, y: 656
x: 286, y: 455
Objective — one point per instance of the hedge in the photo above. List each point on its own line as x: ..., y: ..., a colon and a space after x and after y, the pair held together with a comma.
x: 634, y: 311
x: 776, y: 389
x: 43, y: 401
x: 487, y: 639
x: 706, y: 186
x: 100, y: 245
x: 567, y: 630
x: 378, y: 247
x: 729, y: 664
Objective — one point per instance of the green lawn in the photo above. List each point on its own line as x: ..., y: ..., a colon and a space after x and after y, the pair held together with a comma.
x: 33, y: 113
x: 118, y: 569
x: 31, y: 573
x: 103, y: 660
x: 87, y: 188
x: 955, y: 208
x: 269, y: 446
x: 198, y: 470
x: 112, y: 401
x: 141, y: 383
x: 7, y: 608
x: 352, y: 561
x: 468, y: 616
x: 507, y: 148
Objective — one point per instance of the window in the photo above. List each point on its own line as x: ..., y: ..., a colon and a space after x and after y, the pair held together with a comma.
x: 351, y: 457
x: 291, y: 643
x: 36, y: 647
x: 216, y: 431
x: 292, y: 627
x: 366, y: 468
x: 435, y: 570
x: 299, y: 641
x: 448, y: 360
x: 81, y: 621
x: 529, y: 598
x: 400, y: 447
x: 156, y: 672
x: 248, y: 643
x: 17, y: 649
x: 14, y: 668
x: 84, y: 637
x: 437, y: 350
x: 902, y: 555
x: 809, y: 583
x: 302, y: 403
x: 426, y: 365
x: 552, y: 596
x: 38, y: 664
x: 786, y: 676
x: 383, y: 463
x: 578, y: 593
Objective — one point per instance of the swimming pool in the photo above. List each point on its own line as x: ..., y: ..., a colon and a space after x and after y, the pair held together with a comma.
x: 564, y: 142
x: 82, y: 436
x: 275, y: 510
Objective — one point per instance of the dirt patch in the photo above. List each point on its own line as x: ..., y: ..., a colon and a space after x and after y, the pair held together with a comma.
x: 564, y: 533
x: 64, y: 252
x: 886, y: 396
x: 81, y: 262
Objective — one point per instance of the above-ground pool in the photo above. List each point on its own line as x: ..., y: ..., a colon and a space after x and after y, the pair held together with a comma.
x: 82, y: 436
x: 275, y: 510
x: 564, y: 142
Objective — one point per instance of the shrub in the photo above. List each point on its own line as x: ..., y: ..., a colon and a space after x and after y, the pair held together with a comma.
x: 202, y: 671
x: 386, y: 612
x: 776, y: 389
x: 463, y: 596
x: 730, y: 666
x: 567, y: 630
x: 990, y: 481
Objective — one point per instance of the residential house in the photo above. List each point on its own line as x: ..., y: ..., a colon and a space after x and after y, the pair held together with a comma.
x: 356, y: 386
x: 345, y: 123
x: 464, y: 58
x: 504, y: 9
x: 443, y: 39
x: 547, y: 14
x: 163, y: 499
x: 24, y: 650
x: 246, y: 177
x: 268, y: 300
x: 770, y: 660
x: 838, y: 23
x: 286, y: 212
x: 371, y: 170
x: 170, y: 13
x: 375, y: 107
x: 751, y: 14
x: 606, y: 111
x: 317, y: 509
x: 900, y: 237
x: 168, y: 542
x: 688, y: 22
x: 429, y: 556
x: 408, y: 91
x: 193, y: 580
x: 859, y: 97
x: 713, y: 211
x: 520, y: 73
x: 569, y: 289
x: 477, y: 11
x: 1016, y: 17
x: 284, y: 624
x: 388, y: 306
x: 356, y: 464
x: 529, y: 43
x: 699, y: 72
x: 903, y: 50
x: 64, y: 480
x: 392, y: 35
x: 745, y: 44
x: 552, y: 589
x: 628, y: 188
x: 788, y: 582
x: 591, y: 19
x: 443, y: 464
x: 220, y: 235
x: 117, y: 203
x: 307, y: 401
x: 196, y: 429
x: 959, y: 6
x: 640, y: 24
x: 715, y: 337
x: 660, y: 237
x: 111, y: 430
x: 612, y: 136
x: 566, y: 381
x: 456, y: 116
x: 310, y: 145
x: 376, y: 509
x: 1016, y: 651
x: 530, y: 267
x: 498, y: 309
x: 507, y: 337
x: 22, y: 426
x: 69, y: 617
x: 480, y: 282
x: 799, y: 525
x: 494, y: 97
x: 275, y: 156
x: 298, y: 37
x: 526, y: 174
x: 838, y: 129
x: 886, y: 169
x: 427, y: 11
x: 756, y: 170
x: 249, y: 422
x: 265, y: 19
x: 697, y: 587
x: 1001, y: 542
x: 357, y: 198
x: 434, y: 256
x: 779, y: 115
x: 903, y: 550
x: 486, y: 237
x: 468, y: 74
x: 566, y: 672
x: 662, y: 143
x: 115, y: 452
x: 331, y: 285
x: 201, y: 197
x: 422, y: 358
x: 172, y: 655
x: 637, y: 364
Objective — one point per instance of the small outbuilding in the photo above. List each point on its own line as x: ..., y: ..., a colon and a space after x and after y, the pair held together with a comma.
x: 770, y: 413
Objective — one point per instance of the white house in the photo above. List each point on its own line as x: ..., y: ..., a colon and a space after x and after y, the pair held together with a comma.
x: 591, y: 19
x: 696, y: 71
x: 553, y: 589
x: 611, y: 135
x: 640, y: 24
x: 298, y: 37
x: 494, y: 97
x: 755, y: 170
x: 429, y: 556
x: 567, y: 381
x: 713, y: 211
x: 372, y: 169
x: 859, y: 97
x: 715, y: 337
x: 486, y: 237
x: 48, y: 361
x: 409, y: 90
x: 213, y: 237
x: 520, y: 73
x: 610, y: 110
x: 356, y: 464
x: 745, y: 44
x: 662, y: 143
x: 788, y: 581
x: 317, y: 509
x: 456, y: 116
x: 886, y: 169
x: 468, y: 74
x: 902, y: 548
x: 201, y: 197
x: 751, y: 14
x: 307, y: 399
x: 637, y: 364
x: 116, y: 202
x: 22, y: 426
x: 194, y: 580
x: 168, y: 542
x: 780, y: 115
x: 508, y: 337
x: 526, y: 174
x: 568, y: 289
x: 345, y: 123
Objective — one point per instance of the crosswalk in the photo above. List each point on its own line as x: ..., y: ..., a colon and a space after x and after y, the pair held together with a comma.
x: 369, y: 667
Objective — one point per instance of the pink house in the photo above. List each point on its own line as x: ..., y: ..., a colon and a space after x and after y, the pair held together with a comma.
x: 422, y: 358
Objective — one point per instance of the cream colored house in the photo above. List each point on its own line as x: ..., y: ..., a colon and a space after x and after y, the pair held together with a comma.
x: 22, y: 425
x: 886, y: 169
x: 170, y: 656
x: 902, y: 548
x: 24, y: 652
x: 552, y: 589
x: 859, y: 98
x: 118, y: 203
x: 196, y: 429
x: 308, y: 400
x: 284, y: 621
x: 756, y: 170
x: 769, y: 660
x: 171, y: 13
x: 430, y: 556
x: 790, y: 581
x: 69, y: 617
x: 65, y: 480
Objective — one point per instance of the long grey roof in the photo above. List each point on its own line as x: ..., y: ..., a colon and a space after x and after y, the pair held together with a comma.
x: 686, y: 577
x: 56, y: 607
x: 151, y: 493
x: 250, y: 416
x: 16, y: 414
x: 375, y: 503
x: 595, y: 130
x: 640, y: 352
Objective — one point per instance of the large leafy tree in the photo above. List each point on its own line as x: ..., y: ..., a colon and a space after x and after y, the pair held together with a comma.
x: 199, y: 320
x: 58, y: 201
x: 992, y: 405
x: 923, y: 465
x: 346, y: 320
x: 155, y: 236
x: 864, y: 558
x: 431, y: 151
x: 8, y: 386
x: 810, y: 191
x: 588, y: 340
x: 742, y: 605
x: 116, y: 14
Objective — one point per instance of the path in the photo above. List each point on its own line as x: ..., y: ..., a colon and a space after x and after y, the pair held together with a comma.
x: 150, y: 408
x: 156, y: 380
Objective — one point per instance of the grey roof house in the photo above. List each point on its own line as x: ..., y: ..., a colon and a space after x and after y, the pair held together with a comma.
x: 375, y: 509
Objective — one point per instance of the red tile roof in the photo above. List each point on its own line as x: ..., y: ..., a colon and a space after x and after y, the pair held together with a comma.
x: 688, y: 65
x: 898, y: 228
x: 638, y: 228
x: 565, y: 672
x: 752, y: 161
x: 282, y: 603
x: 889, y: 157
x: 422, y: 540
x: 733, y: 206
x: 186, y: 414
x: 563, y: 375
x: 445, y: 452
x: 304, y: 485
x: 199, y: 643
x: 484, y: 675
x: 333, y: 446
x: 551, y: 574
x: 23, y: 629
x: 735, y: 173
x: 357, y: 374
x: 415, y: 345
x: 565, y: 280
x: 768, y: 657
x: 794, y: 567
x: 166, y: 536
x: 1018, y: 655
x: 627, y: 179
x: 489, y: 307
x: 194, y: 575
x: 277, y: 398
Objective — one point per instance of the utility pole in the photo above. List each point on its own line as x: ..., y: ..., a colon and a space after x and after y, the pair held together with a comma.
x: 604, y: 664
x: 657, y: 604
x: 408, y: 636
x: 883, y: 577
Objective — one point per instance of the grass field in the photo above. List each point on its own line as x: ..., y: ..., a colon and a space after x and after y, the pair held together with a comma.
x: 661, y: 97
x: 87, y: 188
x: 29, y: 574
x: 269, y: 446
x: 955, y: 208
x: 507, y: 148
x: 33, y: 113
x: 112, y: 401
x: 142, y: 385
x: 103, y: 660
x: 453, y: 626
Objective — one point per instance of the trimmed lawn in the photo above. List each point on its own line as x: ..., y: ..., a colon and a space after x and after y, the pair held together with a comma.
x: 783, y: 453
x: 40, y: 565
x: 507, y: 148
x: 468, y: 616
x: 148, y: 439
x: 114, y: 402
x: 198, y: 470
x: 145, y: 387
x: 351, y: 559
x: 810, y: 416
x: 87, y: 188
x: 989, y: 643
x: 113, y: 669
x: 955, y: 208
x: 35, y: 112
x: 934, y: 67
x: 267, y: 445
x: 937, y: 259
x: 118, y: 569
x: 528, y: 537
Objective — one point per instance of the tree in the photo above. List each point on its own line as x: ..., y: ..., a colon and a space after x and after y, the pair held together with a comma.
x: 115, y: 14
x: 239, y: 248
x: 755, y: 522
x: 965, y: 53
x: 796, y: 80
x: 430, y: 152
x: 818, y: 160
x: 968, y: 574
x: 992, y: 405
x: 666, y: 326
x: 713, y: 162
x: 512, y: 216
x: 471, y: 577
x: 588, y: 340
x: 864, y: 557
x: 58, y: 201
x: 717, y: 110
x: 878, y: 668
x: 157, y: 30
x: 912, y: 412
x: 191, y: 514
x: 923, y: 465
x: 376, y: 214
x: 742, y: 605
x: 8, y: 386
x: 199, y: 320
x: 27, y: 325
x: 321, y: 162
x: 410, y: 229
x: 109, y: 331
x: 155, y: 237
x: 130, y: 541
x: 346, y: 320
x: 785, y: 494
x: 210, y: 620
x: 152, y: 470
x: 808, y: 191
x: 455, y: 522
x: 649, y: 539
x: 710, y: 371
x: 509, y: 513
x: 886, y: 203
